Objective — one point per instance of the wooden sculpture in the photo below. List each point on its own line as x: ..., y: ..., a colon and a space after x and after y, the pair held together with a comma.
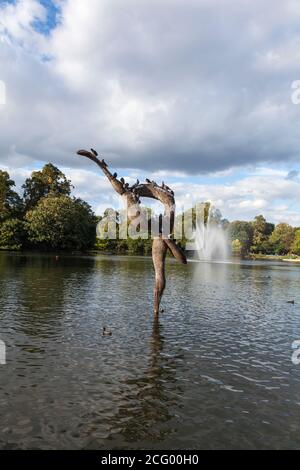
x: 131, y: 197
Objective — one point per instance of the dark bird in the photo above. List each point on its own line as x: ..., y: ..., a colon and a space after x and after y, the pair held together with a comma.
x: 104, y: 162
x: 132, y: 188
x: 94, y: 152
x: 154, y: 183
x: 115, y: 175
x: 122, y: 180
x: 163, y: 185
x: 172, y: 192
x: 291, y: 302
x: 106, y: 332
x: 126, y: 185
x: 147, y: 180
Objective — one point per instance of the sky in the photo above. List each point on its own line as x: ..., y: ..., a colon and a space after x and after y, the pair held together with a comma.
x: 197, y: 93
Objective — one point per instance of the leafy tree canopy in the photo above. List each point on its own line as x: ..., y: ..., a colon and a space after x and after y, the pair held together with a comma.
x: 60, y: 222
x: 295, y: 248
x: 282, y: 239
x: 50, y: 180
x: 261, y: 231
x: 10, y: 201
x: 12, y: 234
x: 242, y: 232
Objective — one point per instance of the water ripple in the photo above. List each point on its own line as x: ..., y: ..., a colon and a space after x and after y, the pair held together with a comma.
x: 215, y: 372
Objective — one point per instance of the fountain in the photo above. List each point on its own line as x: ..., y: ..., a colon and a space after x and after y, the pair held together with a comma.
x: 210, y: 241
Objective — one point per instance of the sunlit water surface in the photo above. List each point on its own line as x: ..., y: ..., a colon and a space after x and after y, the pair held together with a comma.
x: 215, y: 372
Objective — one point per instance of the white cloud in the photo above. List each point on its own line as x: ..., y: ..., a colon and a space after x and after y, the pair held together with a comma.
x: 163, y: 88
x: 16, y: 24
x: 272, y: 194
x: 192, y: 85
x: 274, y: 197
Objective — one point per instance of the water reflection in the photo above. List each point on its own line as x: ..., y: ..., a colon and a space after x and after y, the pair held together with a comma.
x: 214, y: 372
x: 146, y: 415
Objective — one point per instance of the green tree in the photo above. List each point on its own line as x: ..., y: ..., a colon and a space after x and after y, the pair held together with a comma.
x: 12, y: 234
x: 282, y: 238
x: 50, y: 180
x: 242, y: 232
x: 135, y: 246
x: 295, y: 248
x: 106, y: 245
x: 236, y: 247
x: 10, y: 201
x: 60, y: 222
x: 261, y: 232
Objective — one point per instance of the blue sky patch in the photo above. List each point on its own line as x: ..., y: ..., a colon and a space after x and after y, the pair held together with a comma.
x: 43, y: 27
x: 52, y: 18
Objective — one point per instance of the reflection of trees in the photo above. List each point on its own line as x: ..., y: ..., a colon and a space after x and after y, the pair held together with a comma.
x: 42, y: 296
x: 9, y: 282
x: 149, y: 404
x: 129, y: 274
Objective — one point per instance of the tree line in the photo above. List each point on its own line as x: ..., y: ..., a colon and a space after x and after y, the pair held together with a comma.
x: 262, y: 237
x: 48, y: 217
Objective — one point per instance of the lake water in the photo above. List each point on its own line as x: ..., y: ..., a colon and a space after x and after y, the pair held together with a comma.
x: 215, y: 372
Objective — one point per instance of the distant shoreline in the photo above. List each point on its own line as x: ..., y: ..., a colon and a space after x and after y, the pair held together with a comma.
x: 58, y: 253
x: 272, y: 258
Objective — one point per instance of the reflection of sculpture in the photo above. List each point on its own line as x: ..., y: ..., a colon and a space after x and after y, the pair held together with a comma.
x: 131, y: 196
x: 150, y: 399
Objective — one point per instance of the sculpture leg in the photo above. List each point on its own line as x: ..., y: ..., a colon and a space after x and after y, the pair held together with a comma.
x: 159, y: 250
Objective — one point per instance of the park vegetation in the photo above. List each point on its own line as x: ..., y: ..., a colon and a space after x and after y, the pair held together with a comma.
x: 48, y: 217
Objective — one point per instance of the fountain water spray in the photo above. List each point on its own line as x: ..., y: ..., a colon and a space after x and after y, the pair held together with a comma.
x: 210, y: 241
